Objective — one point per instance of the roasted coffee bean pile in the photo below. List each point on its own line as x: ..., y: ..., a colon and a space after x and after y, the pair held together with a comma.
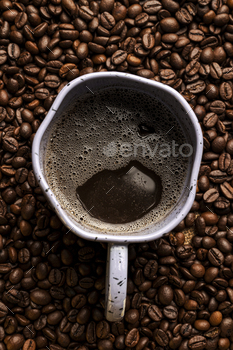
x: 180, y: 296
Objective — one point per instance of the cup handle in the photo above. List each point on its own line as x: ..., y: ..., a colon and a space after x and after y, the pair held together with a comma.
x: 116, y: 282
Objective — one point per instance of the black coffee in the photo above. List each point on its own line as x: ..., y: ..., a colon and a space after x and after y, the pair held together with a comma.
x: 123, y: 195
x: 103, y: 133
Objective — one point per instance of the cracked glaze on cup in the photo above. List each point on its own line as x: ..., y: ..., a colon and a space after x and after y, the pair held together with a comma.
x: 117, y: 258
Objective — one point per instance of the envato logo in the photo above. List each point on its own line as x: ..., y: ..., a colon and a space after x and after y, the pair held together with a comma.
x: 144, y: 149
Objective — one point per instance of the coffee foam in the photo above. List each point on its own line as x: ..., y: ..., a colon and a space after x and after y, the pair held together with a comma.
x: 95, y: 126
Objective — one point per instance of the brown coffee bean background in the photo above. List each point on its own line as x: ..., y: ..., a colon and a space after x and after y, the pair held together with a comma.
x: 52, y: 283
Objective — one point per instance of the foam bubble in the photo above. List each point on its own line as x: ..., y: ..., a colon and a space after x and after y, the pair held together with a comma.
x: 87, y: 139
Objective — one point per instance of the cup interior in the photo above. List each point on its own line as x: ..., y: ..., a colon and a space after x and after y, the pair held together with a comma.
x: 180, y: 110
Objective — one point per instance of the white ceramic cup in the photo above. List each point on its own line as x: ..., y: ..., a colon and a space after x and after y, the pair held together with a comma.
x: 117, y: 260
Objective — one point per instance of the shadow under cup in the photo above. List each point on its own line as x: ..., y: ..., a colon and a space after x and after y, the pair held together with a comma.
x: 180, y: 112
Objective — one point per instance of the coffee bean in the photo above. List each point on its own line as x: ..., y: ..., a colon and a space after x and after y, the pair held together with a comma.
x: 212, y: 333
x: 196, y: 35
x: 183, y: 16
x: 10, y: 144
x: 192, y: 68
x: 197, y: 342
x: 132, y: 338
x: 54, y: 317
x: 207, y: 55
x: 227, y: 190
x: 57, y: 292
x: 215, y: 70
x: 179, y: 297
x: 3, y: 56
x: 217, y: 176
x: 132, y: 316
x: 29, y: 344
x: 148, y: 41
x: 77, y: 331
x: 211, y: 273
x: 210, y: 218
x: 215, y: 257
x: 13, y: 296
x: 133, y: 60
x: 169, y: 25
x: 40, y: 297
x: 210, y: 120
x: 185, y: 330
x: 4, y: 97
x: 224, y: 245
x: 154, y: 313
x: 141, y: 19
x: 52, y: 81
x: 102, y: 329
x: 225, y: 91
x: 160, y: 337
x: 119, y: 57
x: 15, y: 341
x: 3, y: 310
x: 145, y: 73
x: 202, y: 325
x: 167, y: 74
x: 134, y: 10
x: 215, y: 318
x: 165, y: 294
x: 184, y: 252
x: 151, y: 269
x: 224, y: 161
x: 229, y: 146
x: 24, y: 255
x: 170, y: 312
x: 197, y: 270
x: 107, y: 20
x: 78, y: 301
x: 211, y: 195
x: 152, y: 6
x: 222, y: 203
x: 55, y: 276
x: 196, y: 87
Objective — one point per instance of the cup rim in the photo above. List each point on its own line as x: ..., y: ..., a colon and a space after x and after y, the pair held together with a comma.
x: 98, y: 236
